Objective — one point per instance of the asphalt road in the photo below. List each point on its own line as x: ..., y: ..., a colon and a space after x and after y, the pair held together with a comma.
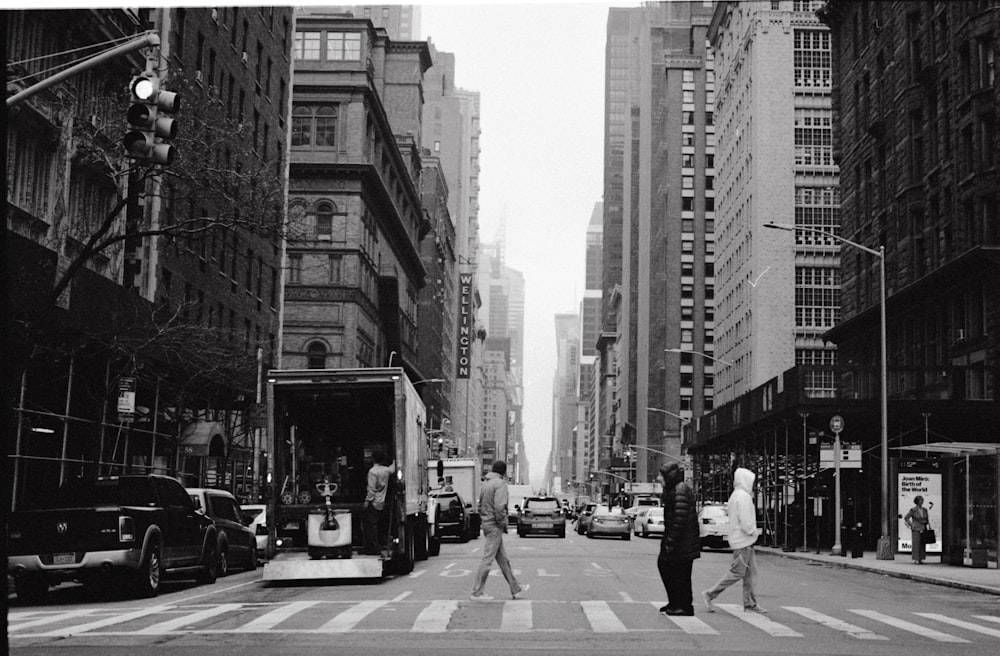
x: 587, y: 597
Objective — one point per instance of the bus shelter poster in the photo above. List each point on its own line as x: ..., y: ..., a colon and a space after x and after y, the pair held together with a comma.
x: 928, y: 486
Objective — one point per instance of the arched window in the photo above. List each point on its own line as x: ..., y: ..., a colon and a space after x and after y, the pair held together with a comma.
x: 316, y: 356
x: 324, y: 222
x: 301, y: 126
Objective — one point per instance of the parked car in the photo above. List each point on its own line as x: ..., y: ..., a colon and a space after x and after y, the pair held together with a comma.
x: 129, y: 531
x: 713, y: 526
x: 648, y: 522
x: 541, y: 515
x: 609, y: 521
x: 583, y: 517
x: 255, y: 518
x: 236, y: 543
x: 453, y: 514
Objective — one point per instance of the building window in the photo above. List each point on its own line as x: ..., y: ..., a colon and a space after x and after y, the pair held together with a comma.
x: 324, y: 222
x: 294, y: 268
x: 307, y: 46
x: 316, y: 356
x: 812, y: 59
x: 343, y: 46
x: 314, y: 127
x: 336, y: 268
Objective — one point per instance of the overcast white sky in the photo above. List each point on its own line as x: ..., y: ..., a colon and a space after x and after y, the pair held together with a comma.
x: 539, y: 68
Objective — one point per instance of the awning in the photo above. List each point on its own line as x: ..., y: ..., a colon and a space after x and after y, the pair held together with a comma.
x: 955, y: 448
x: 203, y: 438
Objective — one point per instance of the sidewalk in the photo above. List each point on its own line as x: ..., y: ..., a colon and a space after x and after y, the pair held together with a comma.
x: 933, y: 571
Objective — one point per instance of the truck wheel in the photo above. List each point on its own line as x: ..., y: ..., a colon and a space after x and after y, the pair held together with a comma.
x: 31, y: 589
x: 209, y: 567
x: 434, y: 542
x: 420, y: 545
x: 147, y: 578
x: 403, y: 563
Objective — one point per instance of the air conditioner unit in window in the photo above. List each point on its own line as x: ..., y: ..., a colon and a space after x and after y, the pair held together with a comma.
x: 215, y: 15
x: 245, y: 57
x: 960, y: 335
x: 199, y: 77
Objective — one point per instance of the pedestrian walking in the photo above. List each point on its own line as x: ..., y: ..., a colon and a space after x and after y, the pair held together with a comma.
x: 493, y: 498
x: 375, y: 512
x: 680, y: 544
x: 917, y: 520
x: 742, y: 537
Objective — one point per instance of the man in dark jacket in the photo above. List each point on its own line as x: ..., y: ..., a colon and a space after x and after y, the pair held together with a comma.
x: 680, y: 544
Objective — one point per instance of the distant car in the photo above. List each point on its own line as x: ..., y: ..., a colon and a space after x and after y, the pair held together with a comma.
x: 255, y: 517
x: 583, y: 517
x: 640, y: 503
x: 541, y: 515
x: 609, y: 521
x: 453, y: 514
x: 237, y: 544
x: 713, y: 526
x: 648, y: 521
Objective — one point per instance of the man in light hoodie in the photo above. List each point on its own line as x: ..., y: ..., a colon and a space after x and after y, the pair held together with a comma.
x: 742, y: 536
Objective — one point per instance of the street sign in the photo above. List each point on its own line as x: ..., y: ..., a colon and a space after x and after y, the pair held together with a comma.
x: 849, y: 455
x: 836, y: 423
x: 126, y: 399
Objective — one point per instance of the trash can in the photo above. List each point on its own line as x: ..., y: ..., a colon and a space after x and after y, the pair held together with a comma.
x: 857, y: 541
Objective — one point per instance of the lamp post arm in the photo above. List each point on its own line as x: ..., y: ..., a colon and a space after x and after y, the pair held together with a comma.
x: 793, y: 228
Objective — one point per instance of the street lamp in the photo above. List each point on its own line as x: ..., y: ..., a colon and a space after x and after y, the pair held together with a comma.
x: 704, y: 355
x: 667, y: 412
x: 427, y: 380
x: 884, y: 551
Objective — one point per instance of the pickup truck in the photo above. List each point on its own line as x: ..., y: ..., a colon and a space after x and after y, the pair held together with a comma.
x: 130, y: 531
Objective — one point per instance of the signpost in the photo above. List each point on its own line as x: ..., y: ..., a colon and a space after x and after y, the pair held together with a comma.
x: 126, y: 399
x: 836, y: 425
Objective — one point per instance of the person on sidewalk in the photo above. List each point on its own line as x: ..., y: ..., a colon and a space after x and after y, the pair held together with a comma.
x: 493, y: 498
x: 680, y: 544
x: 917, y: 520
x: 742, y: 537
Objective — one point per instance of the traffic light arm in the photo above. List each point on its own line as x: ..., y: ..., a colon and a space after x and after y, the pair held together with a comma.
x: 148, y: 40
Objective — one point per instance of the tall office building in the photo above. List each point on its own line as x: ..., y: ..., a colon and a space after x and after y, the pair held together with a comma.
x: 590, y: 332
x: 565, y: 402
x: 777, y: 293
x: 659, y: 159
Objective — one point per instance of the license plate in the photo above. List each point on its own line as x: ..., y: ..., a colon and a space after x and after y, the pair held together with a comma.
x: 64, y: 559
x: 544, y: 525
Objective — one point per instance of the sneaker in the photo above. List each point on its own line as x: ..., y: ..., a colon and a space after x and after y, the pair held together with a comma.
x: 524, y: 588
x: 480, y: 597
x: 664, y: 609
x: 680, y: 612
x: 708, y: 601
x: 754, y: 609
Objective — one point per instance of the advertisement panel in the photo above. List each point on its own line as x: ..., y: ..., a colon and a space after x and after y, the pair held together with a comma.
x: 927, y: 484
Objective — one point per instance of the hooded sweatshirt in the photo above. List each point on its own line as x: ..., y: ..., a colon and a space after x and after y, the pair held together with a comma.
x: 742, y: 515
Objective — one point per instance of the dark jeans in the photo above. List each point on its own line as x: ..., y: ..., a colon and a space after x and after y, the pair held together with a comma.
x: 676, y: 577
x: 376, y: 526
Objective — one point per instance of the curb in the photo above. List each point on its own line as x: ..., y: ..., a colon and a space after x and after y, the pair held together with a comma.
x: 921, y: 578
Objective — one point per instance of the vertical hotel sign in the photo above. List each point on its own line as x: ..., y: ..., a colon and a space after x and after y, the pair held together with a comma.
x: 464, y: 325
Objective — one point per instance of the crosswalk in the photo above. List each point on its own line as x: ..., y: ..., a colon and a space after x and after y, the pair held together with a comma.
x: 403, y: 614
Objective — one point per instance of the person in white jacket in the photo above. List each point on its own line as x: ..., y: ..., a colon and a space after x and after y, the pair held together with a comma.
x: 742, y: 537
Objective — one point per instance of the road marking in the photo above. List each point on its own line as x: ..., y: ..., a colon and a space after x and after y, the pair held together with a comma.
x: 988, y: 618
x: 216, y: 590
x: 688, y: 624
x: 435, y: 618
x: 516, y: 616
x: 542, y: 572
x: 268, y: 621
x: 403, y: 596
x: 907, y: 626
x: 602, y: 619
x: 107, y: 621
x: 418, y: 573
x: 625, y: 596
x: 57, y: 617
x: 187, y: 620
x: 449, y: 565
x: 762, y: 622
x: 348, y: 619
x: 969, y: 626
x: 838, y: 625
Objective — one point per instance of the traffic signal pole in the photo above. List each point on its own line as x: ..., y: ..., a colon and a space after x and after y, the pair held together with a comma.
x: 150, y: 39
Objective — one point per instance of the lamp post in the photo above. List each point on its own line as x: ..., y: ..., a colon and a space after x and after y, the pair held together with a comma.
x: 885, y: 550
x: 704, y: 355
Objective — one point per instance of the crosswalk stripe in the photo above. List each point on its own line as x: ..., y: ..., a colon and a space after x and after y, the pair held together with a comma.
x: 969, y: 626
x: 516, y: 616
x: 988, y: 618
x: 187, y: 620
x: 348, y: 619
x: 907, y: 626
x: 763, y: 623
x: 691, y: 625
x: 49, y: 619
x: 435, y: 618
x: 268, y: 621
x: 107, y: 621
x: 834, y: 623
x: 602, y: 619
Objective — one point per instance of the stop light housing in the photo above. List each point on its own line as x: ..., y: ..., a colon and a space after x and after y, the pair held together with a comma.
x: 151, y: 126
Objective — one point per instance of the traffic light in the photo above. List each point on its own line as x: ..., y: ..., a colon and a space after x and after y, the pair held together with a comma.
x: 150, y: 126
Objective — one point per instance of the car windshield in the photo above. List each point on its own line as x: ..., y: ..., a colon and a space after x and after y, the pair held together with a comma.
x: 648, y: 502
x: 604, y: 510
x: 541, y: 504
x: 251, y: 516
x: 654, y: 512
x: 80, y: 493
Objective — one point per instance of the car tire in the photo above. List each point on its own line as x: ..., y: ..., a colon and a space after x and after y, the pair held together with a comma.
x: 252, y: 561
x: 149, y: 574
x: 627, y: 536
x: 209, y: 570
x: 31, y: 589
x: 223, y: 560
x: 590, y: 534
